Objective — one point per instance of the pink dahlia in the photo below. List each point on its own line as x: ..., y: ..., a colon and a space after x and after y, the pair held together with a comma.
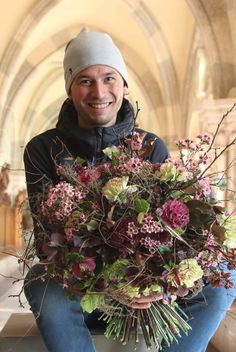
x: 175, y: 213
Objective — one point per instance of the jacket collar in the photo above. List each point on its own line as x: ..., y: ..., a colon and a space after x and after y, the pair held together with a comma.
x: 89, y: 143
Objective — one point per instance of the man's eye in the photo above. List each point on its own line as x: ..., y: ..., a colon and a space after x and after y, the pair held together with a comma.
x: 109, y: 79
x: 85, y: 82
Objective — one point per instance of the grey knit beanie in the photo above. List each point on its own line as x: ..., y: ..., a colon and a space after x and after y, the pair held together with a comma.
x: 88, y: 49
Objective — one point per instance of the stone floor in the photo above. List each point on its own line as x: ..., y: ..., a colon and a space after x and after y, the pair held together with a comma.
x: 9, y: 273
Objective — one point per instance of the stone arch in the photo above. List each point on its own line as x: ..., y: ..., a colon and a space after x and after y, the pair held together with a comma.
x: 213, y: 23
x: 140, y: 13
x: 171, y: 94
x: 52, y: 44
x: 194, y: 90
x: 15, y: 46
x: 31, y: 115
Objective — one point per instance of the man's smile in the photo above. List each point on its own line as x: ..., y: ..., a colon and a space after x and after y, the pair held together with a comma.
x: 99, y: 105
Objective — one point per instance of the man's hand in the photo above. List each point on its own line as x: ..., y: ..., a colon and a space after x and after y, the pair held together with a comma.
x: 144, y: 302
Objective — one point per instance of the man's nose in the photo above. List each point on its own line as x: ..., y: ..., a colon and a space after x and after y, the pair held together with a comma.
x: 99, y: 89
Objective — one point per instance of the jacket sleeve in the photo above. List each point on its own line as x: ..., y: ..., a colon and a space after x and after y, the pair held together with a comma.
x: 160, y: 152
x: 39, y: 172
x: 39, y: 166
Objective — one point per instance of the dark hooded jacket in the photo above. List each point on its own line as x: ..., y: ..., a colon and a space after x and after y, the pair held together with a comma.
x: 68, y: 141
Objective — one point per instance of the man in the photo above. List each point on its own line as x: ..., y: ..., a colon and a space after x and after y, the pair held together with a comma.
x: 95, y: 115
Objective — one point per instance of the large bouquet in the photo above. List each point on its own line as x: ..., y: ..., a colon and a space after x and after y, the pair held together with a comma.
x: 129, y: 228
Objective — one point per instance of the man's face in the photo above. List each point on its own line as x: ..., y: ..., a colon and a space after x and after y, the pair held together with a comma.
x: 97, y: 93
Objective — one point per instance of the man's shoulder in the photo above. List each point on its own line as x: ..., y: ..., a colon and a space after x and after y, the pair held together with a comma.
x: 148, y: 135
x: 160, y: 151
x: 46, y: 137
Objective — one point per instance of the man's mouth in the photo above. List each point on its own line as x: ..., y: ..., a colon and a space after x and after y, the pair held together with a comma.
x: 99, y: 105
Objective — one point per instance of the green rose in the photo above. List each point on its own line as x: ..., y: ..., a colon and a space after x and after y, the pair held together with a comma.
x: 112, y: 151
x: 188, y: 271
x: 230, y: 234
x: 116, y: 189
x: 169, y: 172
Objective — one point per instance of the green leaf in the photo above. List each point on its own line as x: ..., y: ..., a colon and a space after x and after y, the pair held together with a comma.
x: 80, y: 286
x: 79, y: 160
x: 200, y: 213
x: 186, y: 198
x: 176, y: 194
x: 140, y: 217
x: 116, y: 271
x: 141, y: 205
x: 91, y: 225
x: 170, y: 265
x: 179, y: 231
x: 122, y: 198
x: 164, y: 249
x: 73, y: 257
x: 89, y: 302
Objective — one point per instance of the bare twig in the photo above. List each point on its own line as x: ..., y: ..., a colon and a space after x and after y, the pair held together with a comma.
x: 219, y: 124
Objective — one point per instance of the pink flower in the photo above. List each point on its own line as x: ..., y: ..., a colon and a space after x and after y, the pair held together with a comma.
x: 136, y: 142
x: 205, y: 186
x: 156, y: 166
x: 88, y: 266
x: 76, y: 270
x: 149, y: 225
x: 175, y: 213
x: 84, y: 177
x: 89, y: 175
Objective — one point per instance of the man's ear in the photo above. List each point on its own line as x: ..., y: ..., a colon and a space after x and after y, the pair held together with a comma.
x: 126, y: 90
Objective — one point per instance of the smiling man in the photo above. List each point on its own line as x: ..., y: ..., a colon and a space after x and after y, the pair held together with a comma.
x: 96, y: 78
x: 97, y: 93
x: 95, y: 115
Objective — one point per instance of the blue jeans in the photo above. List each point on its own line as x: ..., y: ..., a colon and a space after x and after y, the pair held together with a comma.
x: 205, y: 314
x: 59, y: 319
x: 63, y: 324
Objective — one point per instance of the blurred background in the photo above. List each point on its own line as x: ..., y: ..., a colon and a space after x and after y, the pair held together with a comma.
x: 181, y: 62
